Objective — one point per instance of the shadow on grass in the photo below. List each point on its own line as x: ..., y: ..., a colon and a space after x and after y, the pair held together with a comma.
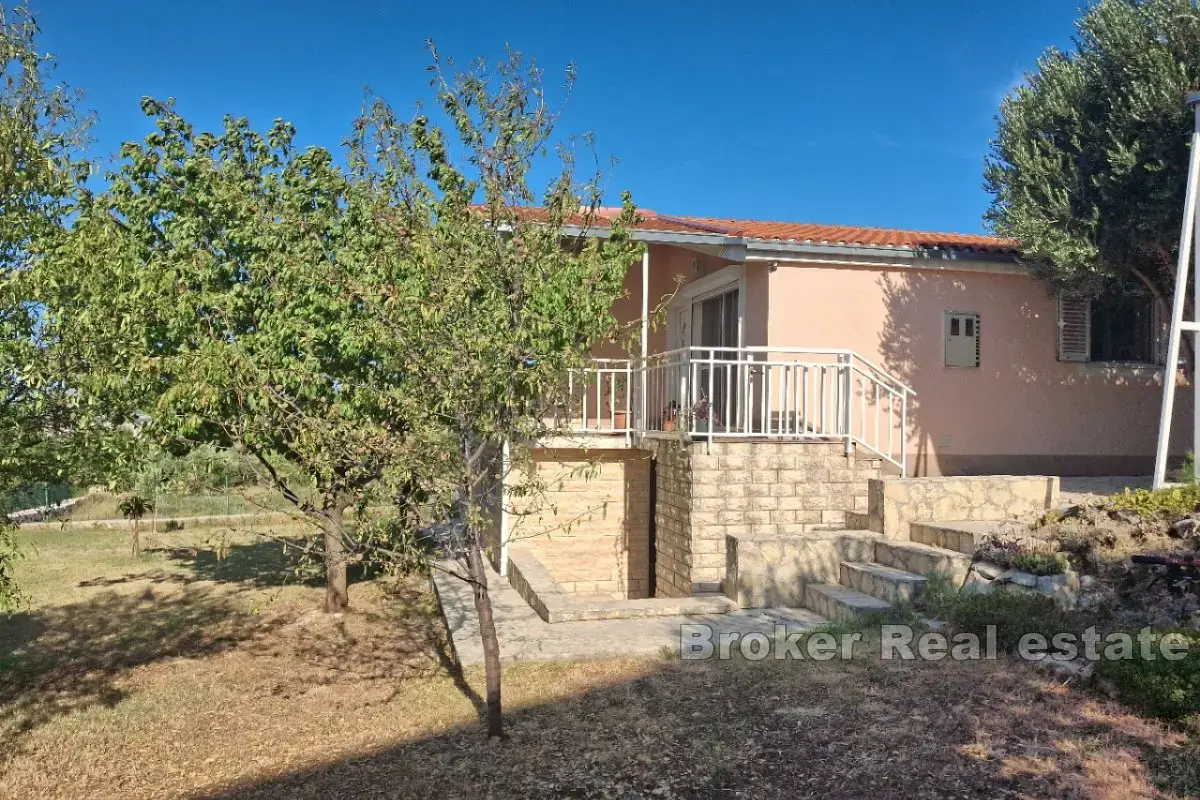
x: 263, y: 563
x: 778, y: 730
x: 58, y: 660
x: 65, y: 658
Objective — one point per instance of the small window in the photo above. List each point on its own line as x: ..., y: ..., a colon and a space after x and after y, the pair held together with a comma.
x: 1120, y: 328
x: 962, y: 339
x: 1123, y: 329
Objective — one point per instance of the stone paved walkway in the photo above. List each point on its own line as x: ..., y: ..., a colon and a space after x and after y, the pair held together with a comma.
x: 1074, y: 491
x: 525, y: 637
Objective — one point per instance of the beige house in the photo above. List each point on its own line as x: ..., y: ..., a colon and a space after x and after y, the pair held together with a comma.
x: 793, y: 365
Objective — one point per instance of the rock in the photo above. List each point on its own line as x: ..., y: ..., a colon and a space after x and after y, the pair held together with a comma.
x: 1077, y: 670
x: 1072, y: 512
x: 977, y: 583
x: 1063, y: 588
x: 1087, y: 582
x: 988, y: 571
x: 1125, y: 515
x: 1069, y: 579
x: 1017, y: 577
x: 1182, y: 529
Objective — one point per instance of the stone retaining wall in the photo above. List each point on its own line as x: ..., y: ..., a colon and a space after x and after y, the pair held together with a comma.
x: 757, y: 488
x: 895, y: 502
x: 774, y: 570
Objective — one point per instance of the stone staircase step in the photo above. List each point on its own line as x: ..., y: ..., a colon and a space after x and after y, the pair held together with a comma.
x: 841, y: 603
x: 963, y: 537
x: 765, y: 571
x: 886, y: 583
x: 923, y: 559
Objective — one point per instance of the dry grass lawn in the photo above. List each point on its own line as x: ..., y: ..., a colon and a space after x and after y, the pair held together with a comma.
x: 185, y: 675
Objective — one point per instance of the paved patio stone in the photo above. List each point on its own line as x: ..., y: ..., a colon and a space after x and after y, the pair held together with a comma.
x: 524, y: 636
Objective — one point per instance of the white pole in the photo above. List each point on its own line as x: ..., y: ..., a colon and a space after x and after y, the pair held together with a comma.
x: 645, y: 329
x: 1194, y: 100
x: 1181, y: 275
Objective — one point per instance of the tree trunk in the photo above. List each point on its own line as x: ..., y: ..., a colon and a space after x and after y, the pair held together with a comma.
x: 491, y: 645
x: 337, y: 596
x: 137, y: 539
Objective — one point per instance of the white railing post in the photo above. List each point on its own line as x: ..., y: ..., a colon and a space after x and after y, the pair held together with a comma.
x: 904, y: 433
x: 846, y: 405
x: 711, y: 408
x: 629, y: 402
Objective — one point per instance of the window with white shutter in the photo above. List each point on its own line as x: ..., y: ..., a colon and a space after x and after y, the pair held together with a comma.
x: 1119, y: 328
x: 1074, y: 327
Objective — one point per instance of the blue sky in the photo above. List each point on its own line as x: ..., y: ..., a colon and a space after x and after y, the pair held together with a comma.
x: 867, y: 112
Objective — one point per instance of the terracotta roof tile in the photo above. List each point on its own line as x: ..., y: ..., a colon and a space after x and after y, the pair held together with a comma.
x: 852, y: 235
x: 802, y: 232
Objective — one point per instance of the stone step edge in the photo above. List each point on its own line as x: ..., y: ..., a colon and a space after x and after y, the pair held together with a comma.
x: 892, y: 575
x: 928, y: 531
x: 545, y: 596
x: 843, y: 601
x: 950, y: 564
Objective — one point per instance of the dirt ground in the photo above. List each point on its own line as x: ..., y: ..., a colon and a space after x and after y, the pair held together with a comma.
x: 185, y: 675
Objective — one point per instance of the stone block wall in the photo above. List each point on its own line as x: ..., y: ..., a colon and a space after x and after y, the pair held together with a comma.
x: 895, y: 502
x: 590, y: 526
x: 761, y: 488
x: 672, y: 511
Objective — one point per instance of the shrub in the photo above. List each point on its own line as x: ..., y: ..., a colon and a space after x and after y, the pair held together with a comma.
x: 1172, y: 501
x: 1187, y: 473
x: 1013, y: 554
x: 1160, y: 688
x: 1013, y: 613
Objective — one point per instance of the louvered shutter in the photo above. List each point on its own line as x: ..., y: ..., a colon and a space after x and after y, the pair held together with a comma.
x: 1074, y: 327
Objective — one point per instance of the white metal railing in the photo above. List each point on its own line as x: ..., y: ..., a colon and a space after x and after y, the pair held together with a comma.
x: 748, y: 392
x: 601, y: 397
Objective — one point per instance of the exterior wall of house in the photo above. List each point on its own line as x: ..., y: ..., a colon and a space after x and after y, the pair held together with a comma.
x: 670, y: 268
x: 1020, y: 411
x: 590, y: 527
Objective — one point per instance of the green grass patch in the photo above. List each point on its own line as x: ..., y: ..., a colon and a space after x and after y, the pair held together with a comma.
x: 1159, y: 687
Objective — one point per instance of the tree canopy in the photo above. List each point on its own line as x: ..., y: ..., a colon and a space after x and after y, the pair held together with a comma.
x: 41, y: 133
x: 1088, y: 166
x: 197, y: 297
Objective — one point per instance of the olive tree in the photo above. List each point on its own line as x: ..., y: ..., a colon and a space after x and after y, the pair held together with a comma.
x: 1088, y: 166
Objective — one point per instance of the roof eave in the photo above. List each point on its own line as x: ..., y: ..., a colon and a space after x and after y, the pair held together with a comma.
x: 911, y: 257
x: 657, y: 237
x: 823, y: 252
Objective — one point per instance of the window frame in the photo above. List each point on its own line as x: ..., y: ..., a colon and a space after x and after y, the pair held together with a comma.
x: 948, y: 320
x: 1074, y: 339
